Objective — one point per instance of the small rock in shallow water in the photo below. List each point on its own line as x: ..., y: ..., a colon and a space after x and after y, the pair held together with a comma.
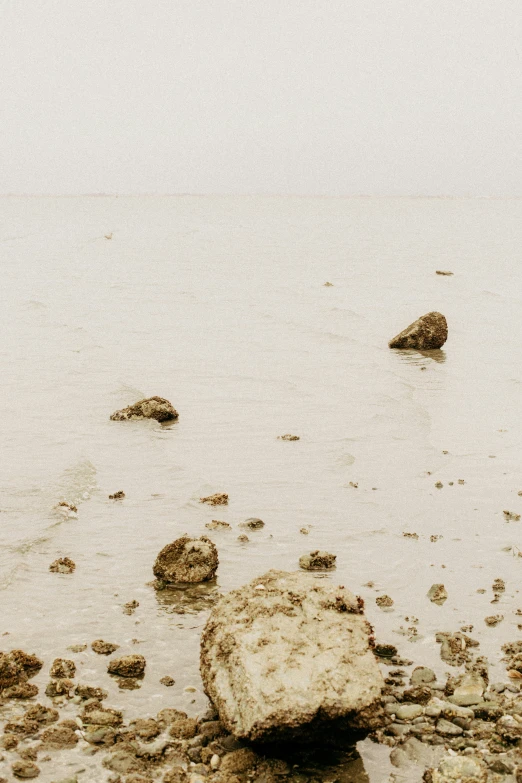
x: 437, y: 594
x: 428, y: 332
x: 187, y: 560
x: 458, y: 769
x: 443, y: 272
x: 167, y: 681
x: 494, y: 619
x: 384, y: 601
x: 117, y: 495
x: 317, y: 561
x: 103, y: 648
x: 421, y: 675
x: 217, y: 524
x: 253, y: 523
x: 130, y: 607
x: 62, y: 668
x: 288, y: 437
x: 510, y: 516
x: 217, y: 499
x: 127, y: 666
x: 25, y: 769
x: 243, y: 539
x: 156, y: 408
x: 64, y: 565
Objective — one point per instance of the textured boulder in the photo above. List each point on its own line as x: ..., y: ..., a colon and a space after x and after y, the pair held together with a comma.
x: 187, y: 560
x: 426, y: 333
x: 152, y: 408
x: 16, y: 667
x: 317, y: 561
x: 458, y: 769
x: 289, y: 657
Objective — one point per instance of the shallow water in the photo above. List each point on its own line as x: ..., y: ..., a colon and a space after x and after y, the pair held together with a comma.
x: 219, y: 305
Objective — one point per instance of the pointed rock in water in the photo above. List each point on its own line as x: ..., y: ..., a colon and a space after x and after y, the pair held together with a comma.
x: 152, y: 408
x: 426, y: 333
x: 187, y: 560
x: 288, y: 657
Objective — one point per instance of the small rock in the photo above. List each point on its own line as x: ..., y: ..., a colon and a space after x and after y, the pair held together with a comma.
x: 187, y: 560
x: 58, y: 737
x: 327, y: 284
x: 117, y: 495
x: 439, y: 484
x: 104, y: 648
x: 59, y: 687
x: 448, y: 729
x: 437, y: 594
x: 130, y: 607
x: 218, y: 499
x: 253, y: 523
x: 317, y: 561
x: 127, y: 666
x: 458, y: 769
x: 238, y: 761
x: 62, y: 668
x: 216, y: 524
x: 25, y: 769
x: 494, y: 619
x: 64, y: 565
x: 384, y: 601
x: 421, y: 675
x: 288, y: 437
x: 77, y: 648
x: 25, y: 690
x: 442, y: 272
x: 151, y: 408
x: 428, y: 332
x: 510, y: 516
x: 408, y: 711
x: 243, y: 539
x: 167, y: 681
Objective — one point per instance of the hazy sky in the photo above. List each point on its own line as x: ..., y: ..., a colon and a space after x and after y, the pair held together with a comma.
x: 261, y: 96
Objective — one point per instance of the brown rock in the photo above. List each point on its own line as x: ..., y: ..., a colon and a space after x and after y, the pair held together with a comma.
x: 127, y: 666
x: 317, y: 561
x: 104, y: 648
x: 218, y: 499
x: 428, y: 332
x: 25, y: 769
x: 64, y: 565
x: 151, y: 408
x: 57, y: 737
x: 117, y: 495
x: 62, y: 668
x: 187, y: 560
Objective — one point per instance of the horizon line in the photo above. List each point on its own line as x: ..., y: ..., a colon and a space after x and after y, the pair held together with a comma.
x: 146, y: 194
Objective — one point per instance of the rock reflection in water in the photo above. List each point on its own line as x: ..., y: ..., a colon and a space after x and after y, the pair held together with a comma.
x: 184, y: 598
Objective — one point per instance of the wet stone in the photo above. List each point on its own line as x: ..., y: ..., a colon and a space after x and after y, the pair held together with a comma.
x: 447, y: 728
x: 157, y: 408
x: 24, y: 691
x: 253, y: 523
x: 167, y: 681
x: 217, y: 499
x: 421, y: 675
x: 25, y: 769
x: 187, y: 560
x: 117, y: 495
x: 62, y: 668
x: 64, y: 565
x: 288, y: 436
x: 218, y: 524
x: 408, y: 711
x: 103, y: 648
x: 384, y: 601
x: 437, y: 594
x: 317, y: 561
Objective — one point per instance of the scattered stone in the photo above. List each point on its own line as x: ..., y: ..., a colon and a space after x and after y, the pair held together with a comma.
x: 25, y: 690
x: 385, y: 650
x: 327, y: 284
x: 421, y: 675
x: 288, y: 437
x: 130, y: 607
x: 447, y: 728
x: 311, y: 663
x: 498, y: 586
x: 104, y: 648
x: 127, y: 666
x: 458, y: 769
x: 238, y: 761
x: 428, y: 332
x: 510, y: 516
x: 183, y: 727
x: 60, y: 736
x: 68, y: 509
x: 216, y: 524
x: 433, y: 539
x: 152, y: 408
x: 187, y: 560
x: 243, y: 539
x: 493, y: 619
x: 167, y: 681
x: 305, y: 530
x: 64, y: 565
x: 62, y: 668
x: 469, y: 689
x: 218, y: 499
x: 441, y: 272
x: 77, y: 648
x: 253, y: 523
x: 455, y: 647
x: 59, y: 687
x: 411, y: 535
x: 117, y: 495
x: 437, y: 594
x: 317, y: 561
x: 384, y: 601
x: 25, y: 769
x: 439, y: 484
x: 86, y: 692
x: 408, y: 711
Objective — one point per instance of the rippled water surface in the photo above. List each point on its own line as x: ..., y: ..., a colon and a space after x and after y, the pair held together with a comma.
x: 219, y: 304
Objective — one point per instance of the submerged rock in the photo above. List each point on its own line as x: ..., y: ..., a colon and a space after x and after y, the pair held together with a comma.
x: 428, y: 332
x: 64, y: 565
x: 437, y: 594
x: 217, y: 499
x: 289, y: 657
x: 187, y: 560
x: 103, y: 648
x: 252, y: 523
x: 152, y: 408
x: 317, y: 561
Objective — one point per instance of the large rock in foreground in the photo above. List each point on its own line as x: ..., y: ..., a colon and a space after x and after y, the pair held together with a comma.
x: 152, y: 408
x: 426, y: 333
x: 187, y: 560
x: 289, y: 657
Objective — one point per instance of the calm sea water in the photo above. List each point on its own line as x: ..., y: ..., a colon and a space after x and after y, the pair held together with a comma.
x: 219, y: 304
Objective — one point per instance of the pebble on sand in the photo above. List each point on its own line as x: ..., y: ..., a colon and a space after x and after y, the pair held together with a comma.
x: 427, y: 333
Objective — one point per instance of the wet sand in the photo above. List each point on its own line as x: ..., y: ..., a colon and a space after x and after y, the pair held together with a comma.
x: 220, y: 306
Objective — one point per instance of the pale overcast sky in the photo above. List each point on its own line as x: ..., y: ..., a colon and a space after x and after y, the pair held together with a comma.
x: 261, y: 96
